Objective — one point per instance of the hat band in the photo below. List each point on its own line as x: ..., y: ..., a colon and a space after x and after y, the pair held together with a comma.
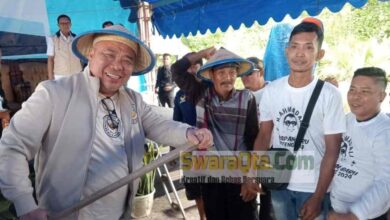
x: 108, y: 37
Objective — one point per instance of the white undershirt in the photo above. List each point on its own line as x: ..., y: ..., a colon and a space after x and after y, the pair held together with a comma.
x: 108, y: 163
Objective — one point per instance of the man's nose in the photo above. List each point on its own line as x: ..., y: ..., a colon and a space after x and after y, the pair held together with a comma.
x: 117, y: 64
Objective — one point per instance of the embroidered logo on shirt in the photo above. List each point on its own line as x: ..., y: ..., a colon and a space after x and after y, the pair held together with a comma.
x: 182, y: 99
x: 109, y: 126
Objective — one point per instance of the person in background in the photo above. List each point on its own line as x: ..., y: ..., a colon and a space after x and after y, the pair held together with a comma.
x: 61, y: 61
x: 107, y: 24
x: 282, y: 107
x: 165, y: 86
x: 183, y: 73
x: 361, y: 185
x: 255, y: 82
x: 88, y: 132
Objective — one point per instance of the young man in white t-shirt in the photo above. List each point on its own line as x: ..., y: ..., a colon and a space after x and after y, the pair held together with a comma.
x: 281, y: 111
x: 361, y: 186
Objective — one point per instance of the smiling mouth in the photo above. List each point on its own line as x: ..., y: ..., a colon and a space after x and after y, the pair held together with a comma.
x: 300, y: 63
x: 355, y: 106
x: 112, y: 76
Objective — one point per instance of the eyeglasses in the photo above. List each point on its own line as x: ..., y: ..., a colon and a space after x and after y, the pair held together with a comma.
x: 64, y: 23
x: 109, y: 106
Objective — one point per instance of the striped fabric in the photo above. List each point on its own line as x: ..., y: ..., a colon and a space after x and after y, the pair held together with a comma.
x: 225, y: 119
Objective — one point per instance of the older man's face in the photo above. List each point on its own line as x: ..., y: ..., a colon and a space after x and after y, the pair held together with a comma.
x: 223, y: 80
x: 113, y: 63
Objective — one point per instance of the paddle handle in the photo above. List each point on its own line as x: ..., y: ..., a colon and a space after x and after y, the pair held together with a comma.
x: 123, y: 181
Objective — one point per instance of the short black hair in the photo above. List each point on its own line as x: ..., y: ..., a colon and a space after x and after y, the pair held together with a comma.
x: 166, y: 55
x: 378, y: 74
x: 309, y: 27
x: 63, y: 16
x: 107, y: 23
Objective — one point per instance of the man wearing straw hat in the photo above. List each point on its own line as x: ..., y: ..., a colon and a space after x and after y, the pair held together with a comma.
x: 231, y: 116
x: 87, y: 131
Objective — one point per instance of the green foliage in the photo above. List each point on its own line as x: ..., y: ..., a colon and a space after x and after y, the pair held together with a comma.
x: 4, y: 209
x: 371, y: 21
x: 201, y: 42
x: 146, y: 184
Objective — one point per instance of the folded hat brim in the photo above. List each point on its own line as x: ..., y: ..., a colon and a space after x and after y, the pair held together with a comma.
x: 145, y: 60
x: 245, y: 68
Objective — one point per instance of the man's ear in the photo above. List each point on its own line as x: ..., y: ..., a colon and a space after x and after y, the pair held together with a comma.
x: 91, y: 53
x: 320, y: 54
x: 382, y: 96
x: 261, y: 73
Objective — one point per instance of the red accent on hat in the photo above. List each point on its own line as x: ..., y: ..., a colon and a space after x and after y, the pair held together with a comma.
x: 314, y: 21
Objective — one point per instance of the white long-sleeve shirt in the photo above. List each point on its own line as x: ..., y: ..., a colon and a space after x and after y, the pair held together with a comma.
x: 362, y: 180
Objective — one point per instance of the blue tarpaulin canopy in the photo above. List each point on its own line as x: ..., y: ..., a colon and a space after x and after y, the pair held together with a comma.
x: 23, y: 28
x: 177, y: 17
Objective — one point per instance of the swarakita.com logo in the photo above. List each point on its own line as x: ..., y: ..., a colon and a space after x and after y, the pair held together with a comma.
x: 237, y: 166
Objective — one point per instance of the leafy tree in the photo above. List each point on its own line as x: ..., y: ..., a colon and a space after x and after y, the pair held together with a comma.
x: 371, y: 21
x: 196, y: 43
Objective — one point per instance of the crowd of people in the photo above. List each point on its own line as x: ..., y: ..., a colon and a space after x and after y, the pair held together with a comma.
x: 84, y: 129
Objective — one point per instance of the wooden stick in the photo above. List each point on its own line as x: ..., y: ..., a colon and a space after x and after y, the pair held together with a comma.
x: 123, y: 181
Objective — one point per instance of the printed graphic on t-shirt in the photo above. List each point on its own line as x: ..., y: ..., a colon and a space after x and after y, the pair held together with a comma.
x: 345, y: 166
x: 346, y: 150
x: 289, y: 120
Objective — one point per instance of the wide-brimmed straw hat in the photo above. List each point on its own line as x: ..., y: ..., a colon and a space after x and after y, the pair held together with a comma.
x: 144, y: 61
x: 222, y: 57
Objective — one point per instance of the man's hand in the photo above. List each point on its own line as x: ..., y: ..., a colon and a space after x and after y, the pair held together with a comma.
x: 311, y: 208
x: 201, y: 137
x: 208, y: 52
x: 37, y: 214
x: 249, y: 190
x: 337, y: 216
